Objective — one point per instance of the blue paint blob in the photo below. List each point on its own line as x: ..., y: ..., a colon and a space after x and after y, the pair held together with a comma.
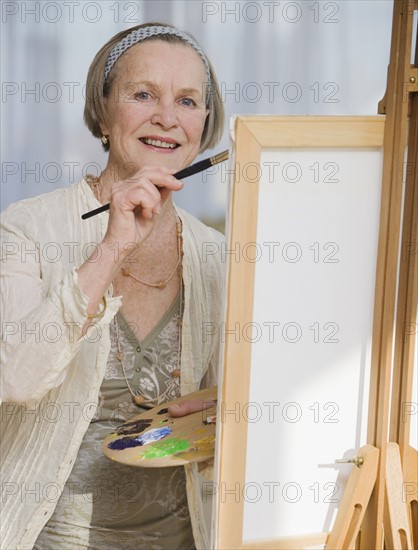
x: 155, y: 435
x: 148, y: 437
x: 124, y: 443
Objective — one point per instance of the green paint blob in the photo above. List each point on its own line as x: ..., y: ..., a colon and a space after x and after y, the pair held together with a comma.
x: 166, y: 448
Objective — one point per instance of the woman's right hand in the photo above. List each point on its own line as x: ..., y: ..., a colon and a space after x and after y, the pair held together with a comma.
x: 135, y: 204
x: 133, y: 214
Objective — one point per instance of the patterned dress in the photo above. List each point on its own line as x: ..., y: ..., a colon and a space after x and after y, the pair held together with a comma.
x: 106, y: 505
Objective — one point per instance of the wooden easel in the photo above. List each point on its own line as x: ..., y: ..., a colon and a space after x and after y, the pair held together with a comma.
x: 380, y: 504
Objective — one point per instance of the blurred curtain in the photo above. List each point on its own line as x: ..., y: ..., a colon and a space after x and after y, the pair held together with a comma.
x: 271, y: 57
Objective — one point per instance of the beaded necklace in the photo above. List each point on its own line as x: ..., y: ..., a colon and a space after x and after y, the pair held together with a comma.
x: 137, y: 398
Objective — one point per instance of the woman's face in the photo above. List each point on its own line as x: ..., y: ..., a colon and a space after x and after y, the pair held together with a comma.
x: 156, y: 107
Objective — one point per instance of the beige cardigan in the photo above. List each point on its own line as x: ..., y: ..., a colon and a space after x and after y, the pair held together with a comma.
x: 50, y: 375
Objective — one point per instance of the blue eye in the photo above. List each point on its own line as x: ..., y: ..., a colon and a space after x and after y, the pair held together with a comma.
x: 188, y: 102
x: 142, y: 95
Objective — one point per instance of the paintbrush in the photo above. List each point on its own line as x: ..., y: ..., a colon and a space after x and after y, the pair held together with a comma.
x: 186, y: 172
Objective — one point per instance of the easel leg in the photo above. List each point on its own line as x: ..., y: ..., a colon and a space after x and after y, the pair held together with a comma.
x: 396, y: 105
x: 354, y: 503
x: 396, y: 523
x: 405, y: 342
x: 410, y: 490
x: 385, y: 522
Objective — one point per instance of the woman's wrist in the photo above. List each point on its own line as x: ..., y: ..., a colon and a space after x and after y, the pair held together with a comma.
x: 97, y: 273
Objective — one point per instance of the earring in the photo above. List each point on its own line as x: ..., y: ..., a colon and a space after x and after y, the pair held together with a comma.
x: 105, y: 140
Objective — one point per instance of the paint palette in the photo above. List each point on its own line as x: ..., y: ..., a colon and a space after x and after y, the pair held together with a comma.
x: 154, y: 439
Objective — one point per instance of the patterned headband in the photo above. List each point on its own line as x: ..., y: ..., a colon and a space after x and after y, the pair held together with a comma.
x: 146, y: 32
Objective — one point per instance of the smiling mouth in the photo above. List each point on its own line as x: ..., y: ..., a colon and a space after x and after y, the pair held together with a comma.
x: 159, y: 143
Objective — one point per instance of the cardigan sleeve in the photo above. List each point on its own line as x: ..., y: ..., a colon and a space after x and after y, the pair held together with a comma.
x: 41, y: 323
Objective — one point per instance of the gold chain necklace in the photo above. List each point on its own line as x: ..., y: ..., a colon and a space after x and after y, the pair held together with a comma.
x: 137, y: 398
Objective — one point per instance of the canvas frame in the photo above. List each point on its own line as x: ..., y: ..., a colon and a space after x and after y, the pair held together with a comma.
x: 253, y: 134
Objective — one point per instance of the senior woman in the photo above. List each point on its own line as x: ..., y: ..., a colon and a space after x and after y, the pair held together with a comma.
x: 116, y: 324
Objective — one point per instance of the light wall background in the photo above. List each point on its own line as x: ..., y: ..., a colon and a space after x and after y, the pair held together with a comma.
x: 271, y: 57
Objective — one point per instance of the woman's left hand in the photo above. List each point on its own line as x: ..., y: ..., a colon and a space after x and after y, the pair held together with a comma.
x: 189, y: 407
